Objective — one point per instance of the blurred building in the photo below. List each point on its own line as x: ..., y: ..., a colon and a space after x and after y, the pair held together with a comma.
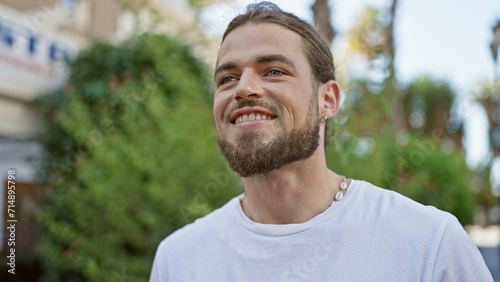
x: 36, y: 37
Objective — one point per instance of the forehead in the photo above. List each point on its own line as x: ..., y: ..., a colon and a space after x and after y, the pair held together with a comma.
x: 252, y: 40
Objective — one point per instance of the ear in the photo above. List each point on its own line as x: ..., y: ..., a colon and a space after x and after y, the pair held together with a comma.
x: 329, y: 99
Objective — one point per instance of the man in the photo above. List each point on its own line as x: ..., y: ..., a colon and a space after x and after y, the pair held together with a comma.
x: 298, y: 220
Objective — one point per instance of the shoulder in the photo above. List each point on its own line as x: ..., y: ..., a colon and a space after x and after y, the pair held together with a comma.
x: 197, y: 233
x: 436, y: 235
x: 457, y: 258
x: 397, y: 212
x: 387, y: 202
x: 197, y: 241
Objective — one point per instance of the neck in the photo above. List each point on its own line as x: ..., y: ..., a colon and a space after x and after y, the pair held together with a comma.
x: 293, y: 194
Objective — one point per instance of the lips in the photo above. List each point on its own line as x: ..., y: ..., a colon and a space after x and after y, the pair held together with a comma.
x: 250, y: 114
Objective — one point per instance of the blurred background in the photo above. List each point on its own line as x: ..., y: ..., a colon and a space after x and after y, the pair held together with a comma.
x: 106, y: 119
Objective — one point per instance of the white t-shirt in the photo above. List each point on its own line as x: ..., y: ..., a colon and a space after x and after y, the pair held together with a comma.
x: 372, y: 234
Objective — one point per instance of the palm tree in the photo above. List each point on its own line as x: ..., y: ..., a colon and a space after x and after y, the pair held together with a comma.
x: 322, y: 13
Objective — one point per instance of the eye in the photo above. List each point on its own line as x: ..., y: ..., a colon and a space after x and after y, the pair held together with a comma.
x: 275, y: 72
x: 227, y: 79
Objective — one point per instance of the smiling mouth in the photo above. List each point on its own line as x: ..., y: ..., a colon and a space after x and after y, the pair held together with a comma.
x: 252, y: 116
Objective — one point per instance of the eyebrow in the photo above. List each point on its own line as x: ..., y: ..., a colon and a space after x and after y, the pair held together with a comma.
x: 259, y: 60
x: 275, y: 58
x: 223, y: 67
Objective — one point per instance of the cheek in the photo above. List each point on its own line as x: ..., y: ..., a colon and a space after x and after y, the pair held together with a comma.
x: 215, y: 110
x: 217, y: 119
x: 219, y: 106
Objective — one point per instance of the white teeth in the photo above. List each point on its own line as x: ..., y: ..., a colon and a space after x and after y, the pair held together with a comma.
x: 252, y: 116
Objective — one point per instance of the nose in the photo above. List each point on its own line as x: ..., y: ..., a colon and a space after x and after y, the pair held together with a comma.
x: 249, y: 86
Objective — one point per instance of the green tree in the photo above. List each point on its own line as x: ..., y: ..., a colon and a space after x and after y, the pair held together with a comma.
x: 399, y: 137
x: 421, y: 166
x: 489, y: 98
x: 131, y: 157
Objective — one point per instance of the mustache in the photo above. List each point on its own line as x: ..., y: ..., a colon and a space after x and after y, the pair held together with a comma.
x: 252, y: 103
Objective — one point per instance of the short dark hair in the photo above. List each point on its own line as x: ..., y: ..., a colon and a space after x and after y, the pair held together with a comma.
x: 315, y: 47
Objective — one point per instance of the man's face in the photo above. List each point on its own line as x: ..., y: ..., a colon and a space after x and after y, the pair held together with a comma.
x: 265, y: 107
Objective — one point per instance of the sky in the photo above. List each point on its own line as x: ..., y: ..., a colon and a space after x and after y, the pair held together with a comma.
x: 446, y: 39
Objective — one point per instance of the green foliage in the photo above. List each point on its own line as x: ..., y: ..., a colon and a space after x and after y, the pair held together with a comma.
x: 367, y: 37
x: 196, y: 3
x: 431, y: 100
x: 420, y: 165
x: 405, y: 139
x: 121, y: 172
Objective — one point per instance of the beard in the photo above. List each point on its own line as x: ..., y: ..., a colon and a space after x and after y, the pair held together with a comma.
x: 249, y: 156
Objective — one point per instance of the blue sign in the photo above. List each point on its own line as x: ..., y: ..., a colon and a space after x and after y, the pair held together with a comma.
x: 24, y: 41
